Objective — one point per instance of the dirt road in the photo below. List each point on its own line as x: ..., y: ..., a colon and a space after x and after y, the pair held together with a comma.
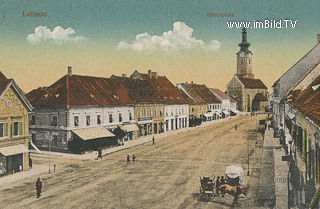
x: 165, y: 175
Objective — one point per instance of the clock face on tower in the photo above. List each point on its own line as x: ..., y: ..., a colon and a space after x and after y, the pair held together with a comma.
x: 9, y: 103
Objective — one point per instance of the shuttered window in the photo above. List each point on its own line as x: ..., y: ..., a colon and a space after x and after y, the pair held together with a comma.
x: 17, y: 129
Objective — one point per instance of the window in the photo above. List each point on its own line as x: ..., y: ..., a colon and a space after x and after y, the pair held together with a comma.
x: 156, y: 111
x: 54, y: 121
x: 76, y: 120
x: 161, y: 110
x: 17, y: 128
x: 1, y: 130
x: 110, y: 118
x: 130, y: 116
x: 98, y: 119
x: 120, y: 117
x: 150, y: 112
x: 33, y: 120
x: 145, y: 112
x: 88, y: 120
x: 139, y: 112
x: 55, y: 140
x: 167, y: 125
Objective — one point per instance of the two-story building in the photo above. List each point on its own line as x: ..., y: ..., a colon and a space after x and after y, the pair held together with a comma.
x: 14, y: 127
x: 214, y: 111
x: 80, y: 113
x: 176, y: 108
x: 197, y: 106
x: 227, y: 103
x: 149, y: 105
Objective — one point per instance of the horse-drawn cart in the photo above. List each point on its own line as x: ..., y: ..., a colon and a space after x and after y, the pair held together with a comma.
x: 207, y: 187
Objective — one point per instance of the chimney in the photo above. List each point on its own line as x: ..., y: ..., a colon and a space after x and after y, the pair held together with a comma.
x: 149, y: 73
x: 154, y: 75
x: 69, y: 70
x: 124, y: 75
x: 318, y: 38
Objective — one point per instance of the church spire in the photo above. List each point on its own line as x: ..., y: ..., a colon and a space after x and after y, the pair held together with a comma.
x: 244, y: 45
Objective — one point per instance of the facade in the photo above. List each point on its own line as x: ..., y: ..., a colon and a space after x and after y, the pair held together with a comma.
x: 243, y: 87
x: 149, y: 106
x: 214, y: 111
x: 14, y: 127
x: 176, y: 108
x: 227, y: 103
x: 80, y: 113
x: 197, y: 106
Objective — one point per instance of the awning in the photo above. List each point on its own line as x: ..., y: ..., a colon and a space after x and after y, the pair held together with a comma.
x: 225, y: 112
x: 128, y: 128
x: 235, y: 111
x: 93, y: 133
x: 14, y: 150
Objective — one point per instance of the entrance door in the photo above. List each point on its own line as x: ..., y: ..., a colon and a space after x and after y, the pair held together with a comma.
x: 155, y: 128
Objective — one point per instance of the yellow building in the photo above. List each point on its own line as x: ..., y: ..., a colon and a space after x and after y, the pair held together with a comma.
x: 14, y: 127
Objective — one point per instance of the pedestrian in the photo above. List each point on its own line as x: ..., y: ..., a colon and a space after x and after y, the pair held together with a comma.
x: 54, y: 168
x: 222, y: 181
x: 99, y: 154
x: 39, y: 187
x: 133, y: 158
x: 218, y: 183
x: 153, y: 141
x: 128, y: 159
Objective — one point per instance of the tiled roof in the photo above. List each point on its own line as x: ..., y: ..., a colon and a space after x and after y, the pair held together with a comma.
x: 205, y: 93
x: 252, y: 83
x: 139, y: 90
x: 221, y: 94
x: 193, y: 93
x: 260, y: 97
x: 191, y: 101
x: 164, y: 88
x: 309, y: 101
x: 298, y: 70
x: 76, y: 90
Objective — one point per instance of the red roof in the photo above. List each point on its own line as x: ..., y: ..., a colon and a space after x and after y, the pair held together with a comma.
x: 168, y: 92
x: 252, y: 83
x: 205, y: 93
x: 309, y: 101
x: 76, y: 90
x: 139, y: 90
x: 193, y: 93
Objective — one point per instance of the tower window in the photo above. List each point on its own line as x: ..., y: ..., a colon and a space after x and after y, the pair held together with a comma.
x: 249, y: 61
x: 241, y: 61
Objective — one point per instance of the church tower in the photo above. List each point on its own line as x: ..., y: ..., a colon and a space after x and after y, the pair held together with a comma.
x: 244, y: 58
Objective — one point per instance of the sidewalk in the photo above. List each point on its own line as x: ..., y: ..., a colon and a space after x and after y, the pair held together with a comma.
x: 273, y: 179
x: 34, y: 171
x: 129, y: 144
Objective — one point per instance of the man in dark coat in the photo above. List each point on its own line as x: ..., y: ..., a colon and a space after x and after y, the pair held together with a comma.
x: 39, y: 187
x: 153, y: 141
x: 128, y: 159
x: 218, y: 183
x: 133, y: 158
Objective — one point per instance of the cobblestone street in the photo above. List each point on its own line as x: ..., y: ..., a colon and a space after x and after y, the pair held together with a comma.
x: 165, y: 175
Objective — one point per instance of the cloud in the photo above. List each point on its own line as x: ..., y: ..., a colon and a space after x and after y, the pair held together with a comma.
x: 58, y: 35
x: 178, y: 38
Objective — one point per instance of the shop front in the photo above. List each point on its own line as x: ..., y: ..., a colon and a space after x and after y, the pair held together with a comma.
x: 11, y: 159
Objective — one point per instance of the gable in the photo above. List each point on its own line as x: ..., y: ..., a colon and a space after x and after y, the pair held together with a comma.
x: 235, y: 83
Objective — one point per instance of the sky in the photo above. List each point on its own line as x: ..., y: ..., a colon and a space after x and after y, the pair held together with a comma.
x: 176, y: 38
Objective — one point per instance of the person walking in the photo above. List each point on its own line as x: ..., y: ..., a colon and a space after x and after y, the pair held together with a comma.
x: 99, y: 154
x: 218, y: 184
x: 128, y: 159
x: 133, y: 158
x: 38, y: 187
x: 153, y: 141
x: 222, y: 181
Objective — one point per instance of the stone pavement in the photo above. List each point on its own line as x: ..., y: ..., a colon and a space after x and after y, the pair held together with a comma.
x: 273, y: 184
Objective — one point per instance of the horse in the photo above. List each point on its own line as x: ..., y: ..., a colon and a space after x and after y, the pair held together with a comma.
x: 233, y: 190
